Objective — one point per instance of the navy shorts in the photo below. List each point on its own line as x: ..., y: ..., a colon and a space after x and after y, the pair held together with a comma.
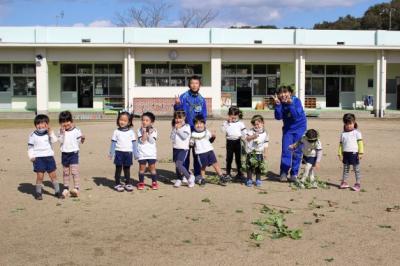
x: 123, y: 158
x: 206, y: 159
x: 310, y: 160
x: 351, y: 158
x: 44, y: 164
x: 179, y: 155
x: 147, y: 161
x: 68, y: 158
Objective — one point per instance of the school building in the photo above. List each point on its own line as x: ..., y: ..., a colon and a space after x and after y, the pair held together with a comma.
x: 48, y: 69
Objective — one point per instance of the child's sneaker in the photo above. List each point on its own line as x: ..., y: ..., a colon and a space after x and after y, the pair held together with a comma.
x: 249, y: 182
x: 223, y: 180
x: 38, y: 196
x: 258, y: 183
x: 119, y: 188
x: 191, y: 181
x: 140, y: 186
x: 65, y: 193
x: 154, y: 185
x: 314, y: 184
x: 344, y: 185
x: 202, y: 182
x: 74, y: 192
x: 238, y: 178
x: 129, y: 187
x: 178, y: 183
x: 184, y: 180
x: 59, y: 195
x: 292, y: 179
x: 283, y: 178
x: 356, y: 187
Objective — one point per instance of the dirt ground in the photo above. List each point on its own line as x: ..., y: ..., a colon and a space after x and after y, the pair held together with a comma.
x: 208, y: 225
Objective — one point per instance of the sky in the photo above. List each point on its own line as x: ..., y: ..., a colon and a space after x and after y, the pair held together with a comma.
x: 100, y: 13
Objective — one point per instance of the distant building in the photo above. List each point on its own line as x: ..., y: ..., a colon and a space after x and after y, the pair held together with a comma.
x: 53, y: 68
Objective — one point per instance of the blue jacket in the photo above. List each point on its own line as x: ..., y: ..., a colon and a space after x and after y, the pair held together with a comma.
x: 193, y: 105
x: 293, y: 115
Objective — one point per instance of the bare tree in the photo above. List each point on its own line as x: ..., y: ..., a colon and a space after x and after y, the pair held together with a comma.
x: 197, y: 18
x: 150, y: 14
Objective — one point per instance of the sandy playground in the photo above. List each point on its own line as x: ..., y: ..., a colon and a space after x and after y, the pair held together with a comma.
x: 209, y: 225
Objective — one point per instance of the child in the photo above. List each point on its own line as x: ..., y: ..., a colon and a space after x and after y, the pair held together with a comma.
x: 289, y: 109
x: 41, y: 154
x: 256, y: 148
x: 180, y: 137
x: 312, y: 154
x: 147, y: 150
x: 69, y: 137
x: 233, y: 128
x: 202, y: 139
x: 123, y: 147
x: 351, y: 150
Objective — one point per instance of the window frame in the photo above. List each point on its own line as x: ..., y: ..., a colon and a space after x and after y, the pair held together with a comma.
x: 94, y: 75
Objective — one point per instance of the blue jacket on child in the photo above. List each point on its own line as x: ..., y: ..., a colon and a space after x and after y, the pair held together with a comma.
x: 193, y: 104
x: 294, y: 127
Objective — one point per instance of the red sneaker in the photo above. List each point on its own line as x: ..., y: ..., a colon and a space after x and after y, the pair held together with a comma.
x: 154, y: 185
x: 344, y: 185
x: 140, y: 186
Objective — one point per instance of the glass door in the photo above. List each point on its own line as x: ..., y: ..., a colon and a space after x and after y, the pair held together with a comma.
x: 332, y: 91
x: 85, y: 92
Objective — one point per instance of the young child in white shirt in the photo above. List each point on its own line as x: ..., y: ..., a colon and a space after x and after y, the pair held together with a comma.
x: 41, y: 154
x: 180, y: 137
x: 123, y: 148
x: 147, y: 150
x: 69, y: 137
x: 351, y: 150
x: 256, y: 148
x: 201, y: 139
x: 312, y: 155
x: 233, y: 129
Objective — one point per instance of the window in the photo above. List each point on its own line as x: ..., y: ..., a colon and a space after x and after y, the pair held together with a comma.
x: 5, y: 69
x: 347, y: 84
x: 260, y: 86
x: 107, y: 78
x: 263, y: 79
x: 68, y: 83
x: 18, y: 79
x: 24, y: 86
x: 316, y: 78
x: 391, y: 87
x: 5, y: 84
x: 165, y: 75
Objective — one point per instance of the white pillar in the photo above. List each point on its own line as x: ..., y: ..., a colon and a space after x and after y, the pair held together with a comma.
x: 216, y: 72
x: 125, y: 79
x: 42, y: 81
x: 300, y: 78
x: 382, y: 97
x: 129, y: 77
x: 380, y: 81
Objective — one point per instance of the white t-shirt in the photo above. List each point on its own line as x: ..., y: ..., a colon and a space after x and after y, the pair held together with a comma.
x: 181, y: 137
x: 123, y: 139
x: 70, y: 140
x: 258, y: 144
x: 233, y: 130
x: 310, y: 148
x: 201, y: 141
x: 349, y: 140
x: 39, y: 145
x: 147, y: 149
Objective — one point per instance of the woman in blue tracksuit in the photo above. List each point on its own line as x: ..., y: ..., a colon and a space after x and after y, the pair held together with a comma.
x: 289, y: 109
x: 194, y: 105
